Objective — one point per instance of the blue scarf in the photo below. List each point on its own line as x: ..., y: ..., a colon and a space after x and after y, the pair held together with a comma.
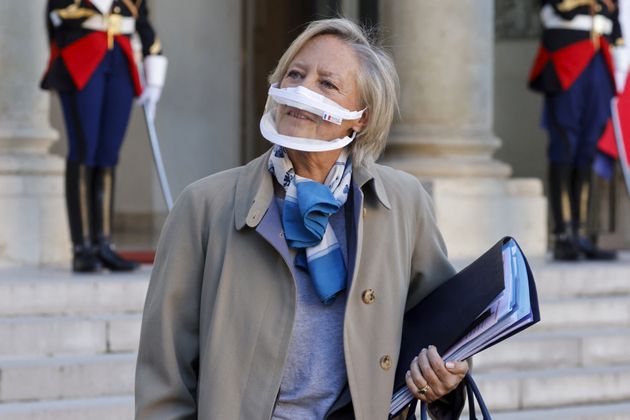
x: 307, y: 207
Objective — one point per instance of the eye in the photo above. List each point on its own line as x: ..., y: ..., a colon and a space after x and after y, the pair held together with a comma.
x: 294, y: 74
x: 328, y: 84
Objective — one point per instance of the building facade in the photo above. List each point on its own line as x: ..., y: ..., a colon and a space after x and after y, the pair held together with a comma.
x: 468, y: 124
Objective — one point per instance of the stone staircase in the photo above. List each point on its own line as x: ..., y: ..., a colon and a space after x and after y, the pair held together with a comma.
x: 575, y: 364
x: 68, y: 344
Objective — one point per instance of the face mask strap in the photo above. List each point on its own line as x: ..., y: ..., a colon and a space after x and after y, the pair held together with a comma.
x: 307, y: 100
x: 269, y: 131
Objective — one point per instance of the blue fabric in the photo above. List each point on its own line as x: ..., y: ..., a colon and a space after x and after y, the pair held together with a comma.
x: 102, y: 108
x: 332, y: 268
x: 604, y: 166
x: 314, y: 371
x: 306, y: 219
x: 576, y: 118
x: 307, y: 208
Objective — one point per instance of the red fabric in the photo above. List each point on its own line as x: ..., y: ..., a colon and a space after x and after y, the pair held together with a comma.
x: 83, y: 57
x: 143, y: 257
x: 607, y: 143
x: 571, y: 61
x: 542, y: 58
x: 568, y: 62
x: 125, y: 45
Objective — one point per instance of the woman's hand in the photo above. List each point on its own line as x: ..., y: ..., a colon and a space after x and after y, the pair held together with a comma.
x: 429, y: 378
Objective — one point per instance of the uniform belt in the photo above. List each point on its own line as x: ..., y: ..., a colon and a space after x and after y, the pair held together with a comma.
x: 598, y: 23
x: 114, y: 24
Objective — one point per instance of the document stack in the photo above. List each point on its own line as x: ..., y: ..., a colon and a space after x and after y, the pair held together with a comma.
x: 485, y: 303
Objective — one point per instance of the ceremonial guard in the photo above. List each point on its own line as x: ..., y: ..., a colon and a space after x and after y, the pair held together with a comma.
x: 92, y: 67
x: 575, y: 69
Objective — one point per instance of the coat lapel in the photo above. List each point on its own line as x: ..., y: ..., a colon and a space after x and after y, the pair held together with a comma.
x: 368, y: 178
x: 254, y: 192
x: 271, y: 229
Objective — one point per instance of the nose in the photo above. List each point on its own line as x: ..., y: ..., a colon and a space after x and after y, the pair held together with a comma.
x: 309, y: 82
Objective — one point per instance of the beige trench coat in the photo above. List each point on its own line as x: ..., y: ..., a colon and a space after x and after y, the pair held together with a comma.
x: 221, y: 300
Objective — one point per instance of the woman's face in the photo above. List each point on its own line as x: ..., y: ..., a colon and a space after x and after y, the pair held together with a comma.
x: 328, y: 66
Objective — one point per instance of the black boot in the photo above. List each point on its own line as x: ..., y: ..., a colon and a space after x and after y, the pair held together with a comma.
x: 102, y: 205
x: 593, y: 252
x: 565, y: 247
x: 584, y: 212
x: 78, y: 186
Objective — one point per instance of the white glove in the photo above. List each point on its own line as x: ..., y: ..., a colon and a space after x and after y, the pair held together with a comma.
x: 149, y: 98
x: 620, y: 81
x: 155, y: 73
x: 55, y: 19
x: 621, y: 63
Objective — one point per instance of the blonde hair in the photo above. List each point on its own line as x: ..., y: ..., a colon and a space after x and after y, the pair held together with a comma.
x: 377, y: 82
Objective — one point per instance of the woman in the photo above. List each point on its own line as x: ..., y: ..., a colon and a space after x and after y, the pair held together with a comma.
x: 92, y: 68
x: 279, y: 287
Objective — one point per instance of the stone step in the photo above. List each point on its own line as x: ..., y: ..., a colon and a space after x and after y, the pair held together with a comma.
x: 555, y: 388
x: 104, y: 408
x: 620, y: 411
x: 583, y: 278
x: 585, y: 312
x: 539, y: 349
x: 53, y: 378
x: 68, y: 334
x: 29, y: 291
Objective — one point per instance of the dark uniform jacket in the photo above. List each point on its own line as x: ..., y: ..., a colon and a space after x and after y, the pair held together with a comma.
x: 76, y: 52
x: 565, y: 53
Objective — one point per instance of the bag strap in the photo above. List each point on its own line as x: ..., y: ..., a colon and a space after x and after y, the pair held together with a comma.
x: 472, y: 414
x: 471, y: 388
x: 473, y: 394
x: 423, y: 410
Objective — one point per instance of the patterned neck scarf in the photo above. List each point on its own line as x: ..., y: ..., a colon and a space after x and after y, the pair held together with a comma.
x: 307, y: 207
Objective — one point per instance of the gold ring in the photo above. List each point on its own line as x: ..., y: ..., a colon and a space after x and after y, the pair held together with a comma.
x: 424, y: 390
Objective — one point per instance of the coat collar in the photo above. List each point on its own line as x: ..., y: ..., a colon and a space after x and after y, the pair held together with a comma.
x: 369, y: 176
x: 254, y: 190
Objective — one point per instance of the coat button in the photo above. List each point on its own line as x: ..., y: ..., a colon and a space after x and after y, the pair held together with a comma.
x: 116, y: 9
x: 386, y: 362
x: 368, y: 296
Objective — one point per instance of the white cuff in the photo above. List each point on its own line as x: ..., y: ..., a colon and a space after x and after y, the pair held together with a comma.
x: 155, y: 70
x: 602, y: 25
x: 620, y: 59
x: 55, y: 19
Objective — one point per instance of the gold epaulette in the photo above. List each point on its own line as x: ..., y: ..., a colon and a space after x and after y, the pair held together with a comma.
x: 75, y: 12
x: 568, y: 5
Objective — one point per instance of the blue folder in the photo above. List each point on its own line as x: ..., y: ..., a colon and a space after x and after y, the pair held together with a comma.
x: 461, y: 303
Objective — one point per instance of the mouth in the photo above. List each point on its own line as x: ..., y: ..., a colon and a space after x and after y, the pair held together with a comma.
x: 299, y: 114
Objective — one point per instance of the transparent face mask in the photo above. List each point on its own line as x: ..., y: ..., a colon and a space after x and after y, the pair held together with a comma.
x: 305, y: 99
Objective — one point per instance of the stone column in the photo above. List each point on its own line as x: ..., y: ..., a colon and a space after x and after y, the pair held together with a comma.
x: 444, y: 53
x: 33, y: 225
